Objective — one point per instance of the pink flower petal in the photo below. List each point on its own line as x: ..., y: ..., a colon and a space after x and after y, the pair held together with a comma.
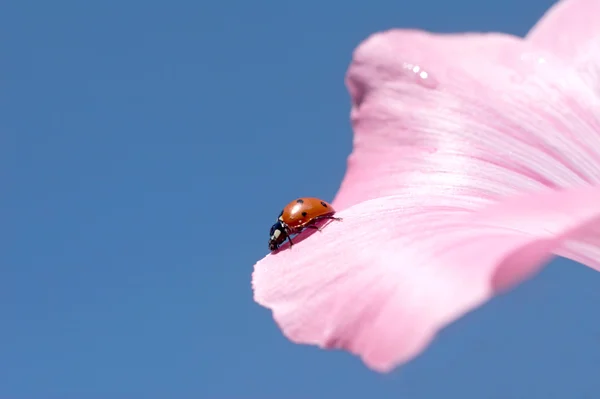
x: 476, y: 158
x: 382, y: 282
x: 490, y: 108
x: 495, y: 122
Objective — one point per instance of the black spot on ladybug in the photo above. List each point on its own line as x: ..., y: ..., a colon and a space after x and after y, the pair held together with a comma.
x: 300, y: 201
x: 324, y: 204
x: 304, y: 214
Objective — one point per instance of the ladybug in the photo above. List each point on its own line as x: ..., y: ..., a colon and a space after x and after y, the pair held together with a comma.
x: 298, y: 215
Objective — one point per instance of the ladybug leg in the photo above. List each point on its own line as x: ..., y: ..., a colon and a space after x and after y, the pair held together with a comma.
x: 312, y: 226
x: 328, y: 217
x: 288, y: 233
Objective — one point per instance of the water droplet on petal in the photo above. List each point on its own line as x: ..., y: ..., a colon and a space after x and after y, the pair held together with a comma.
x: 420, y: 75
x: 531, y: 64
x: 533, y: 59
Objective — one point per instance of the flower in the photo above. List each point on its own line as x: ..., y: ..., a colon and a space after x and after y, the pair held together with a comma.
x: 476, y: 159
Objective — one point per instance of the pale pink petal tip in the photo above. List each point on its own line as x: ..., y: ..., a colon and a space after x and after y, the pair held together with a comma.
x: 382, y: 282
x: 568, y: 28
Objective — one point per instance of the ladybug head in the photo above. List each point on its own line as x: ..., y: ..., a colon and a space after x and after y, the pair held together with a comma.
x: 278, y: 235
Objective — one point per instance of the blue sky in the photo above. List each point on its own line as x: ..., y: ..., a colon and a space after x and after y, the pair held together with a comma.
x: 147, y: 148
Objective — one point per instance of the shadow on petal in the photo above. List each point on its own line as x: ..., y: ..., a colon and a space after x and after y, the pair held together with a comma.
x: 303, y: 235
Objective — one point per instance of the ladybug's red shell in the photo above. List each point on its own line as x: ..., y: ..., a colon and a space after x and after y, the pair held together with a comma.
x: 298, y: 213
